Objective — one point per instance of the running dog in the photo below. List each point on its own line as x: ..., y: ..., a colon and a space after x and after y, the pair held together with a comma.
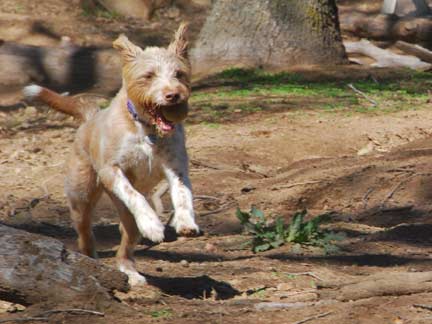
x: 128, y: 148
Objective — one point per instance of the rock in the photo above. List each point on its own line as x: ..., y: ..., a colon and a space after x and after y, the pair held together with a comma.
x: 8, y: 307
x: 30, y: 111
x: 184, y: 263
x: 366, y: 150
x: 285, y: 286
x: 209, y: 247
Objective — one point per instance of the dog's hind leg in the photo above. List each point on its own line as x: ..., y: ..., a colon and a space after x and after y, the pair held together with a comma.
x: 129, y: 237
x: 82, y: 192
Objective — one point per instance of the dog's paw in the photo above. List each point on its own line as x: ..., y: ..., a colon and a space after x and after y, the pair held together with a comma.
x: 189, y: 232
x: 134, y: 277
x: 151, y: 229
x: 188, y: 229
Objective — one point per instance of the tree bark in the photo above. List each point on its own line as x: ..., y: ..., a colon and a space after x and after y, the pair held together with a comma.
x: 273, y: 34
x: 34, y: 269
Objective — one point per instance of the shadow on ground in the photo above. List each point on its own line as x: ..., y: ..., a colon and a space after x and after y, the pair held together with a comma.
x: 193, y: 287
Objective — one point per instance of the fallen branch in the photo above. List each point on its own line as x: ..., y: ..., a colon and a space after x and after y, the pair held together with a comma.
x: 71, y: 310
x: 203, y: 164
x: 310, y: 274
x: 366, y: 197
x: 381, y: 284
x: 296, y: 184
x: 416, y: 50
x: 385, y: 58
x: 25, y: 319
x: 392, y: 192
x: 276, y: 305
x: 42, y: 316
x: 216, y: 211
x: 313, y: 318
x: 373, y: 102
x: 205, y: 197
x: 423, y: 306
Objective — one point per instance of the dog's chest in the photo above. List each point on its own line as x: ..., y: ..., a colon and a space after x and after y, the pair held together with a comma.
x: 140, y: 158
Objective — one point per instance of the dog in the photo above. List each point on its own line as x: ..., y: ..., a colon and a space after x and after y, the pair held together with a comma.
x: 129, y: 147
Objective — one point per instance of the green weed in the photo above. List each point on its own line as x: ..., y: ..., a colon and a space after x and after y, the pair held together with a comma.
x: 266, y: 237
x: 162, y: 313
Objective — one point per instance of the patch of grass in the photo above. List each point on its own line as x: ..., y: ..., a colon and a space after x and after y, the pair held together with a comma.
x: 274, y: 91
x: 89, y: 10
x: 268, y: 236
x: 211, y: 125
x: 162, y: 313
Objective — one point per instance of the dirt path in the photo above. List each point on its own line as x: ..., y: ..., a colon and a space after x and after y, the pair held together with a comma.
x: 269, y: 161
x: 371, y: 169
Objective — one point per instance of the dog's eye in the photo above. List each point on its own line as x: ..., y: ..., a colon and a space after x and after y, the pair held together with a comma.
x: 148, y: 75
x: 179, y: 75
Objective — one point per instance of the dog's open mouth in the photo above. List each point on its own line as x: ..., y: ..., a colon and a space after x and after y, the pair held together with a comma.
x: 163, y: 124
x: 166, y: 117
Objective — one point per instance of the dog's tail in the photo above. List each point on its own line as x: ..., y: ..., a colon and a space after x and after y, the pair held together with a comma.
x: 65, y: 104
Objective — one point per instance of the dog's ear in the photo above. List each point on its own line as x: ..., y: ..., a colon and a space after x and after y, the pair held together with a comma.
x: 180, y: 43
x: 127, y: 49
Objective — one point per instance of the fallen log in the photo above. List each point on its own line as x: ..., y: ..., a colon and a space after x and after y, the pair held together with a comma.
x: 385, y: 58
x: 34, y: 269
x: 381, y: 284
x: 416, y: 50
x: 387, y: 27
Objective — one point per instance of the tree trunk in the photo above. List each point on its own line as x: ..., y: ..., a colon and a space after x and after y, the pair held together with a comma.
x: 273, y: 34
x: 34, y: 269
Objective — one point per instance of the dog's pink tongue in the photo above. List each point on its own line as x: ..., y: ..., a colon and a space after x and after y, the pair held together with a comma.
x: 167, y: 127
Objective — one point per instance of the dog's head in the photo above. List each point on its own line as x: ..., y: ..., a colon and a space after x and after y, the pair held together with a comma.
x: 158, y: 80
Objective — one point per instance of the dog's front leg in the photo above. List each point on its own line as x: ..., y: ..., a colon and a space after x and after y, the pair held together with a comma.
x: 181, y: 196
x: 146, y: 219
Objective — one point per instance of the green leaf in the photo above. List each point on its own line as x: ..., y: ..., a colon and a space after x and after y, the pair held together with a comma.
x: 257, y: 213
x: 295, y: 227
x: 277, y: 243
x: 242, y: 216
x: 251, y: 228
x: 280, y: 226
x: 261, y: 247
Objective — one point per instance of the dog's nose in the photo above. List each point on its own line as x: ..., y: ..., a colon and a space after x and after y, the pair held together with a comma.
x: 172, y: 97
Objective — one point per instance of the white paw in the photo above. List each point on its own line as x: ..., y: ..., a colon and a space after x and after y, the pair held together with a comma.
x: 134, y: 278
x: 185, y: 226
x: 151, y: 229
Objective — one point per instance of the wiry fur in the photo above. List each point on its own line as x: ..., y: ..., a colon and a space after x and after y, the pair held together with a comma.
x: 112, y: 151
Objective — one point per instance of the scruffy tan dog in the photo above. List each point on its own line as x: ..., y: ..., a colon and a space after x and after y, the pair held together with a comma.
x: 128, y: 148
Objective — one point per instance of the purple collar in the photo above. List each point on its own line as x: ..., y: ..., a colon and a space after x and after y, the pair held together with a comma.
x: 150, y: 138
x: 132, y: 110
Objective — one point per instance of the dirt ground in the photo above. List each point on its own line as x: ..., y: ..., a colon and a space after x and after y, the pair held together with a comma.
x: 372, y: 171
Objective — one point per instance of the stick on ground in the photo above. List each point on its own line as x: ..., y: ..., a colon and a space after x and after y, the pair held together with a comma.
x: 313, y: 318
